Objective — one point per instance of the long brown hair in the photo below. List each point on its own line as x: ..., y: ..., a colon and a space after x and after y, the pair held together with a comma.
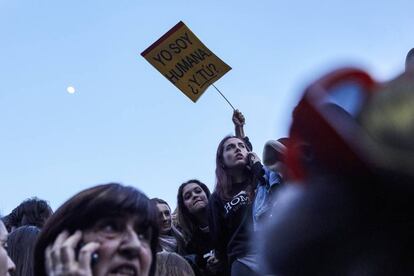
x: 224, y: 184
x: 186, y: 221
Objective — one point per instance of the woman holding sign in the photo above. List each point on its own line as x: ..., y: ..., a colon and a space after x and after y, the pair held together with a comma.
x: 238, y: 171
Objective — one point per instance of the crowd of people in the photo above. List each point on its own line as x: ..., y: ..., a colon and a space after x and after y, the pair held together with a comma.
x: 331, y: 199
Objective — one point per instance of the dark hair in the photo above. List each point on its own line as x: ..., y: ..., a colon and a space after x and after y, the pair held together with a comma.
x: 156, y: 201
x: 186, y: 221
x: 84, y: 209
x: 223, y: 180
x: 32, y: 211
x: 21, y: 243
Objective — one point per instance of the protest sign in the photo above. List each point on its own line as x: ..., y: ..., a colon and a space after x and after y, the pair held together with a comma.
x: 185, y: 61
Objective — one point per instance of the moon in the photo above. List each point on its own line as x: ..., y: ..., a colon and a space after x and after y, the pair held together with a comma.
x: 71, y: 89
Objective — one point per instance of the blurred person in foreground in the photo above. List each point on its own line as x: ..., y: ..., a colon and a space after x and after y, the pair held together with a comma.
x: 106, y: 230
x: 351, y: 156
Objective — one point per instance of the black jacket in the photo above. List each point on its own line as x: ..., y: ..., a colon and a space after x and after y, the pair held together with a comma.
x: 230, y: 226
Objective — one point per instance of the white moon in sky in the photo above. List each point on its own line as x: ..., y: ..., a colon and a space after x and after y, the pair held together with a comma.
x: 71, y: 89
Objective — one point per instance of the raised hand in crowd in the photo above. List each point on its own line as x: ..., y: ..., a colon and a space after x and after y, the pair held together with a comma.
x: 238, y: 121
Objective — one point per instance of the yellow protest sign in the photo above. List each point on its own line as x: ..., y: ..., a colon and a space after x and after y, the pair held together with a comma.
x: 185, y: 61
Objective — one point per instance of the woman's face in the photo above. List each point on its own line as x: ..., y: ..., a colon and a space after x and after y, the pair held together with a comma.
x: 164, y: 217
x: 234, y: 153
x: 194, y: 197
x: 6, y: 264
x: 125, y: 246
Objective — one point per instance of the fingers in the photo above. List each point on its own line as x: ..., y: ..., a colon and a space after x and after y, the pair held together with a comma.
x: 210, y: 259
x: 214, y: 261
x: 234, y: 117
x: 67, y: 251
x: 61, y: 255
x: 253, y: 158
x: 54, y: 251
x: 241, y: 116
x: 85, y: 256
x: 48, y: 260
x: 238, y: 114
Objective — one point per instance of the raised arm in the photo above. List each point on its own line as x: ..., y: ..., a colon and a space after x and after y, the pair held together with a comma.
x: 239, y: 121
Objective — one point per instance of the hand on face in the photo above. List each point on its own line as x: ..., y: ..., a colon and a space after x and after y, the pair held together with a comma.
x: 122, y: 247
x: 61, y: 256
x: 253, y: 158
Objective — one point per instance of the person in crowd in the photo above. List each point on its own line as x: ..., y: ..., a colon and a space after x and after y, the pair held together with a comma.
x: 273, y: 172
x: 108, y: 229
x: 168, y: 233
x: 192, y: 217
x: 275, y: 175
x: 351, y: 213
x: 230, y: 208
x: 6, y: 264
x: 32, y: 211
x: 21, y: 245
x: 172, y: 264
